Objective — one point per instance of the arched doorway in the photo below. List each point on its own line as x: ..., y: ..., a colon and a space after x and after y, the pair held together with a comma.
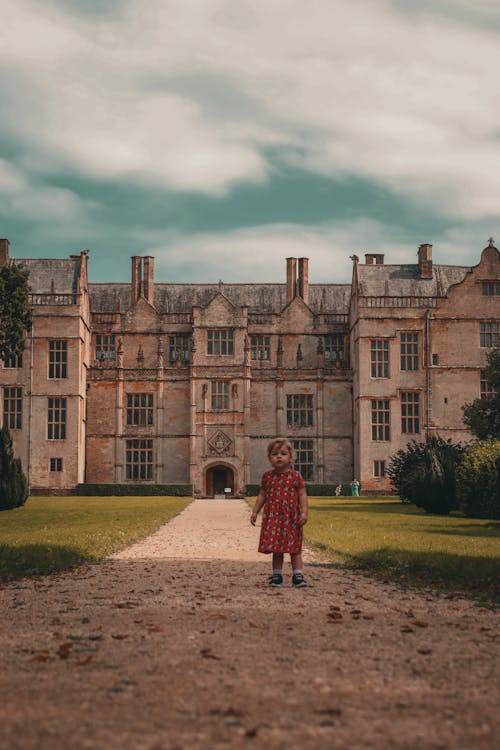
x: 218, y: 479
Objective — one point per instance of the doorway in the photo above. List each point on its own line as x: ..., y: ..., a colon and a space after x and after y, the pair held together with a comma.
x: 218, y: 479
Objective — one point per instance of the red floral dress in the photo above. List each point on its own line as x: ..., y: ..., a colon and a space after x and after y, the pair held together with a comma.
x: 280, y: 530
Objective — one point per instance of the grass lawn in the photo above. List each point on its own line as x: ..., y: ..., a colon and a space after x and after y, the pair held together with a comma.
x: 402, y: 542
x: 49, y: 534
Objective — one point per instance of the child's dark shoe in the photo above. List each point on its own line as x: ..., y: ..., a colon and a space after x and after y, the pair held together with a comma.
x: 276, y: 580
x: 298, y: 581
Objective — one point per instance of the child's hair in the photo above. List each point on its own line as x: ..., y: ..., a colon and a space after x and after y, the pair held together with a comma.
x: 280, y: 443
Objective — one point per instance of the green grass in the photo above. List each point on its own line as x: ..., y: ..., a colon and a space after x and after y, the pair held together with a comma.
x: 50, y: 534
x: 407, y: 545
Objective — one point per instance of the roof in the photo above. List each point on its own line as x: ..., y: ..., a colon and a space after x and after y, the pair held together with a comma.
x: 404, y: 280
x: 259, y: 298
x: 60, y: 273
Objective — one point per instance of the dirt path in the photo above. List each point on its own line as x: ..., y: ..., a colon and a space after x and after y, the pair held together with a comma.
x: 177, y: 644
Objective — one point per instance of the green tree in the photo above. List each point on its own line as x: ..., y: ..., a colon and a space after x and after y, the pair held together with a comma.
x: 15, y: 310
x: 13, y: 484
x: 425, y: 473
x: 478, y: 479
x: 482, y: 416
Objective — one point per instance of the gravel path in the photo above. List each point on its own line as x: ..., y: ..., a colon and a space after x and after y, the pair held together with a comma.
x: 176, y: 643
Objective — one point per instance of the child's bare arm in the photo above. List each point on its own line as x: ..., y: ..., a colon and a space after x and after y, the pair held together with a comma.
x: 304, y: 506
x: 261, y: 499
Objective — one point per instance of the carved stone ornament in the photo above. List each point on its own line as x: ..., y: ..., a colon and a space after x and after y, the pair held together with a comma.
x: 219, y: 443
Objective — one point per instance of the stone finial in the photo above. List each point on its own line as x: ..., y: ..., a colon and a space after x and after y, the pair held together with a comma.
x: 321, y: 346
x: 119, y: 353
x: 140, y: 356
x: 280, y: 352
x: 299, y: 353
x: 491, y: 242
x: 160, y: 352
x: 354, y: 258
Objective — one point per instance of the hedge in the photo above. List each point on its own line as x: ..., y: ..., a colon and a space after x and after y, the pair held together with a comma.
x: 314, y: 490
x: 172, y: 490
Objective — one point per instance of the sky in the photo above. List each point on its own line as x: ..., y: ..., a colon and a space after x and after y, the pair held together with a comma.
x: 222, y: 136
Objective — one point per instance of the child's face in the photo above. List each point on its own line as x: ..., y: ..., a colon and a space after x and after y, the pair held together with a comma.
x: 280, y: 458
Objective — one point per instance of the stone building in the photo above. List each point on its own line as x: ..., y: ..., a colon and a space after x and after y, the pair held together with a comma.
x: 152, y: 382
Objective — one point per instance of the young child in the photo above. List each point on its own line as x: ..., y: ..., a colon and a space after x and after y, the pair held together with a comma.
x: 284, y: 497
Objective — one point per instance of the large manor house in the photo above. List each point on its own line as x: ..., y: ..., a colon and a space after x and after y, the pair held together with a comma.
x: 150, y: 382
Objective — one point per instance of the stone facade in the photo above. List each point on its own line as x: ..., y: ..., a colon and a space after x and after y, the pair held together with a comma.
x: 186, y: 383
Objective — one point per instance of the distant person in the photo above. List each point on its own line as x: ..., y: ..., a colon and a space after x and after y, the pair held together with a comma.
x: 338, y: 490
x: 355, y: 488
x: 284, y: 499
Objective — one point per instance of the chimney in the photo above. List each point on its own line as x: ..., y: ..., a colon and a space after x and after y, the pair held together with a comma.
x: 304, y: 279
x: 425, y: 261
x: 148, y: 281
x: 4, y: 252
x: 291, y: 279
x: 374, y: 258
x: 135, y: 290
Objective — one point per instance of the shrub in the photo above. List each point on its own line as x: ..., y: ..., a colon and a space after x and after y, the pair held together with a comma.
x: 425, y: 474
x: 13, y: 484
x: 128, y: 490
x: 478, y: 480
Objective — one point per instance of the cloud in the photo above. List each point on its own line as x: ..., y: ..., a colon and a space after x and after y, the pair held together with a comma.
x: 189, y: 95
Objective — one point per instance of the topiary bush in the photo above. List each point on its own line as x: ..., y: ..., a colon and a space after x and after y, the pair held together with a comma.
x: 13, y: 484
x: 478, y: 480
x: 425, y: 474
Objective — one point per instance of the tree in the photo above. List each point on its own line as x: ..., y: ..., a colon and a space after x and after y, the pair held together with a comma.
x: 13, y: 484
x: 478, y: 479
x: 424, y: 473
x: 482, y: 416
x: 15, y: 310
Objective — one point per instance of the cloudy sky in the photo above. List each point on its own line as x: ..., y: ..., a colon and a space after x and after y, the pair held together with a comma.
x: 222, y: 136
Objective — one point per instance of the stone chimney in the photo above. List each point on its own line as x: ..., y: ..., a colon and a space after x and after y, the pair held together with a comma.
x: 374, y: 259
x: 4, y: 252
x: 425, y: 261
x: 303, y: 285
x: 148, y: 278
x: 136, y: 286
x: 291, y: 279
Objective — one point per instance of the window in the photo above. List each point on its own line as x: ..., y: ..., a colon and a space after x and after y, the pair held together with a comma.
x: 379, y: 468
x: 13, y: 408
x: 15, y: 361
x: 410, y: 412
x: 491, y: 288
x: 409, y: 351
x: 380, y: 419
x: 380, y: 358
x: 56, y: 464
x: 58, y: 359
x: 487, y: 390
x: 140, y: 409
x: 219, y: 395
x: 334, y: 347
x: 299, y: 410
x: 488, y: 333
x: 178, y: 347
x: 220, y: 341
x: 56, y: 419
x: 139, y: 460
x: 260, y: 347
x: 303, y: 450
x: 105, y: 347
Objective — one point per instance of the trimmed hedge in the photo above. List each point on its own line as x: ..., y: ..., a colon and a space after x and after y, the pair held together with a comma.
x: 314, y: 490
x: 479, y: 480
x: 169, y: 490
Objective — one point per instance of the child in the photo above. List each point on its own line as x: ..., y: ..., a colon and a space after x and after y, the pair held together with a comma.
x: 284, y: 497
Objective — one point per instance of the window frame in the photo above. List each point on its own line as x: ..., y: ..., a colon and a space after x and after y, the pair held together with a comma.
x: 409, y: 351
x: 219, y: 395
x: 55, y: 465
x: 381, y: 419
x: 299, y: 410
x: 13, y: 407
x: 178, y: 343
x: 488, y: 333
x: 379, y: 468
x: 139, y: 409
x: 13, y: 362
x: 334, y: 350
x: 490, y: 288
x: 260, y: 347
x: 220, y: 342
x: 105, y: 347
x: 305, y: 467
x: 139, y: 459
x: 58, y: 359
x: 410, y: 412
x: 486, y: 388
x: 56, y: 426
x: 379, y: 358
